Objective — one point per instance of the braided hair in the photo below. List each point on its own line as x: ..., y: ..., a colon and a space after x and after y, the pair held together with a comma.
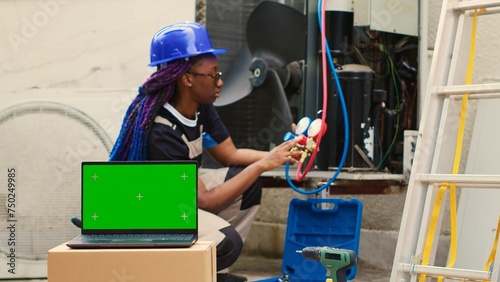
x: 132, y: 142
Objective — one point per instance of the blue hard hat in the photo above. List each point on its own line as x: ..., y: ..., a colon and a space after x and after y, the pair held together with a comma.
x: 180, y: 40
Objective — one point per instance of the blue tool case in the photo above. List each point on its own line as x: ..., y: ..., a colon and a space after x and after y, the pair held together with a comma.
x: 327, y: 222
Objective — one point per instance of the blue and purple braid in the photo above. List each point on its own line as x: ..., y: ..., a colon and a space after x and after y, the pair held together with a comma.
x: 132, y: 141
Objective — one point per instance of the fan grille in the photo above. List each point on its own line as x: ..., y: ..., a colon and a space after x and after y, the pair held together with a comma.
x: 45, y: 143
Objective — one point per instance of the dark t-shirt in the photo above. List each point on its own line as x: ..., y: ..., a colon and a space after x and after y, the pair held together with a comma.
x: 174, y: 137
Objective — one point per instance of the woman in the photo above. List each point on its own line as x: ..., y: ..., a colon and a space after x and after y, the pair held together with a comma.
x: 173, y: 118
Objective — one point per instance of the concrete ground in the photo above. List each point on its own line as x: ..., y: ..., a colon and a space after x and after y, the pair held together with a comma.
x: 258, y: 268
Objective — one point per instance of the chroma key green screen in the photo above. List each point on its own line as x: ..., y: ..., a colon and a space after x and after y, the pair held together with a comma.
x: 139, y: 195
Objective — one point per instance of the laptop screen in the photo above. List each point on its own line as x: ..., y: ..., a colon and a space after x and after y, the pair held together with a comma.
x: 139, y: 197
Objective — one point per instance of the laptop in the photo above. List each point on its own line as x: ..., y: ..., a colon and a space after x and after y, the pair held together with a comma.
x: 138, y: 205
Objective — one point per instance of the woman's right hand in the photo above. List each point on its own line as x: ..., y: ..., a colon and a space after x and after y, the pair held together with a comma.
x: 280, y: 155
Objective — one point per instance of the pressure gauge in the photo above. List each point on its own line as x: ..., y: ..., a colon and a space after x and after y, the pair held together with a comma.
x: 302, y: 126
x: 315, y: 128
x: 301, y: 139
x: 288, y: 136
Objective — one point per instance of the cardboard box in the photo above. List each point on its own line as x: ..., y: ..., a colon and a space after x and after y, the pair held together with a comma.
x: 196, y: 264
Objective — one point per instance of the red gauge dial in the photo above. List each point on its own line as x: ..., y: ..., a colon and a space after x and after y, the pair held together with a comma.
x: 315, y: 128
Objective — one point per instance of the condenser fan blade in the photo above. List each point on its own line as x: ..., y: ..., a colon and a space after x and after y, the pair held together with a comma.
x: 262, y: 117
x: 275, y: 37
x: 280, y: 117
x: 236, y: 80
x: 276, y: 33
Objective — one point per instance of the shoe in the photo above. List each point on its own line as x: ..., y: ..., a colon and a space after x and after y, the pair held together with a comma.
x: 228, y: 277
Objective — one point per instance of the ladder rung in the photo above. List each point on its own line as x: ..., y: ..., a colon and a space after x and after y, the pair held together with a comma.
x: 462, y: 179
x: 485, y: 12
x: 478, y: 96
x: 471, y: 5
x: 447, y: 272
x: 487, y: 88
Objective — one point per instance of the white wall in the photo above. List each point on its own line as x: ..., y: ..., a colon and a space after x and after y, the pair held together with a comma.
x: 81, y: 61
x: 81, y: 44
x: 68, y: 71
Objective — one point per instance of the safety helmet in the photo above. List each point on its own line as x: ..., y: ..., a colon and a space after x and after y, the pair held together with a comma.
x: 180, y: 40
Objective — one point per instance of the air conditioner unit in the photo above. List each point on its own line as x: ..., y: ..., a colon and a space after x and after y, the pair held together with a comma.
x: 45, y: 135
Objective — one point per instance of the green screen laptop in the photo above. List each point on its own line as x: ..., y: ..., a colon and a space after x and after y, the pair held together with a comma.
x: 138, y: 204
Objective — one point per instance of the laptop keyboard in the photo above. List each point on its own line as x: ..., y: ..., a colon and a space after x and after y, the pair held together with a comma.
x: 139, y: 237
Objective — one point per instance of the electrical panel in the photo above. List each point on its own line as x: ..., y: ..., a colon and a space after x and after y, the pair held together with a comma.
x: 394, y: 16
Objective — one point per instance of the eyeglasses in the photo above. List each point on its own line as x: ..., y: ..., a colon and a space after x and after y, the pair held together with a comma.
x: 215, y: 76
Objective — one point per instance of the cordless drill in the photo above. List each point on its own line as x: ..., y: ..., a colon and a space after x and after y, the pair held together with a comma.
x: 336, y: 261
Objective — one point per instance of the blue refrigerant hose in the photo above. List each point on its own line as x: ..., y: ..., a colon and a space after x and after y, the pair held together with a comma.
x: 344, y: 111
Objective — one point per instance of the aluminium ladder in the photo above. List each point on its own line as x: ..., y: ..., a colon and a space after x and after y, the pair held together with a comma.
x: 435, y: 150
